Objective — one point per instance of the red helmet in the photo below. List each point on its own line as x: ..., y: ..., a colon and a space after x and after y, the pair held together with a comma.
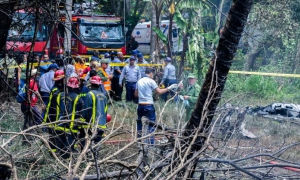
x: 58, y: 75
x: 108, y: 118
x: 96, y: 80
x: 60, y: 51
x: 73, y: 82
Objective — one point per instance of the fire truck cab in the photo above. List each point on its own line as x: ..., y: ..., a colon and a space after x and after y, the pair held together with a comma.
x: 89, y: 33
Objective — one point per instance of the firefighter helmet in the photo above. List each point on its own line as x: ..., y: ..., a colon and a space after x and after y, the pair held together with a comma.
x: 58, y: 75
x: 73, y: 82
x: 108, y: 118
x: 96, y: 80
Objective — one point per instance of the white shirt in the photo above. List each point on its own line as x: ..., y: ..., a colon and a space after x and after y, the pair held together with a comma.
x: 145, y: 86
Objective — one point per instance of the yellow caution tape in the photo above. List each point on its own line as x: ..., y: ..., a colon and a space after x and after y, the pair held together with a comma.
x: 265, y: 74
x: 33, y: 64
x: 124, y: 64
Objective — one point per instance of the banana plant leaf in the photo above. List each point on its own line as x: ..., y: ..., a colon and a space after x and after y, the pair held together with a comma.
x: 160, y: 35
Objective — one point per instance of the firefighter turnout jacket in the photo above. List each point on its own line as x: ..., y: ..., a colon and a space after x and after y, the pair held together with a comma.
x: 68, y: 110
x: 52, y: 107
x: 94, y: 109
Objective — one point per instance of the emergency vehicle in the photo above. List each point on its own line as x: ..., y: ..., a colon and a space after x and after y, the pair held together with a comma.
x: 142, y: 34
x: 89, y: 33
x: 21, y: 33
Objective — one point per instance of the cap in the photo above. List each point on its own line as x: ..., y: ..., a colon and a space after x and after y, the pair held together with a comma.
x: 132, y: 58
x: 140, y: 55
x: 78, y: 57
x: 106, y: 55
x: 168, y: 59
x: 191, y: 75
x: 149, y: 70
x: 53, y: 66
x: 134, y: 52
x: 105, y: 61
x: 138, y: 51
x: 120, y: 53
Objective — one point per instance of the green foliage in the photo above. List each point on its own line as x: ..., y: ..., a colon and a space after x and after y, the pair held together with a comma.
x: 160, y: 34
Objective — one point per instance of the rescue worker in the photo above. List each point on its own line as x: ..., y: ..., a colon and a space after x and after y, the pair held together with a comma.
x: 190, y: 95
x: 44, y: 65
x: 22, y: 72
x: 107, y: 57
x: 141, y: 60
x: 8, y: 66
x: 52, y: 113
x: 46, y: 83
x: 106, y: 78
x: 88, y: 84
x: 67, y: 131
x: 117, y: 71
x: 31, y: 114
x: 133, y: 74
x: 93, y: 110
x: 169, y: 77
x: 143, y: 91
x: 80, y: 66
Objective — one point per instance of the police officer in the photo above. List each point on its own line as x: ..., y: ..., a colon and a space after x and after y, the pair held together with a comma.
x: 190, y: 95
x: 169, y: 77
x: 133, y: 74
x: 141, y: 60
x: 143, y: 91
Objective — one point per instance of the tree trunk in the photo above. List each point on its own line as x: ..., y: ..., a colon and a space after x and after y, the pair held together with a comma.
x: 214, y: 82
x: 68, y: 26
x: 6, y: 13
x: 153, y: 34
x: 170, y: 35
x: 185, y: 45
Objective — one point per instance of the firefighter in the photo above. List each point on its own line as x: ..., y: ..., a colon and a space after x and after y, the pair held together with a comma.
x: 106, y: 78
x: 93, y: 110
x: 66, y: 131
x: 51, y: 113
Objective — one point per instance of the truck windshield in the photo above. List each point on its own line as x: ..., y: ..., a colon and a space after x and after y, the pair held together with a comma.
x: 101, y: 32
x: 23, y: 26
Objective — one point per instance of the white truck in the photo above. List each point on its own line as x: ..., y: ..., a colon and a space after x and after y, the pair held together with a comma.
x: 142, y: 34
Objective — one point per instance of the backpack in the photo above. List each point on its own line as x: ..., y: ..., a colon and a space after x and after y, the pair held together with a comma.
x: 21, y: 97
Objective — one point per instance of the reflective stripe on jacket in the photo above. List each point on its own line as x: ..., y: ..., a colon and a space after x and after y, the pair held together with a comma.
x: 107, y: 83
x: 66, y: 110
x: 94, y: 109
x: 50, y: 113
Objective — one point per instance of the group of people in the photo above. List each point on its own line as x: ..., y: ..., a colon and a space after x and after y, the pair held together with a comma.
x: 75, y: 95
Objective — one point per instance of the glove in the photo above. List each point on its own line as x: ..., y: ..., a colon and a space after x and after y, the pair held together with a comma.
x: 173, y: 86
x: 181, y: 97
x: 186, y: 103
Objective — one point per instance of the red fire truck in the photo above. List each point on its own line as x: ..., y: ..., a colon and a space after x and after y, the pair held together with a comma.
x: 89, y: 33
x: 21, y: 33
